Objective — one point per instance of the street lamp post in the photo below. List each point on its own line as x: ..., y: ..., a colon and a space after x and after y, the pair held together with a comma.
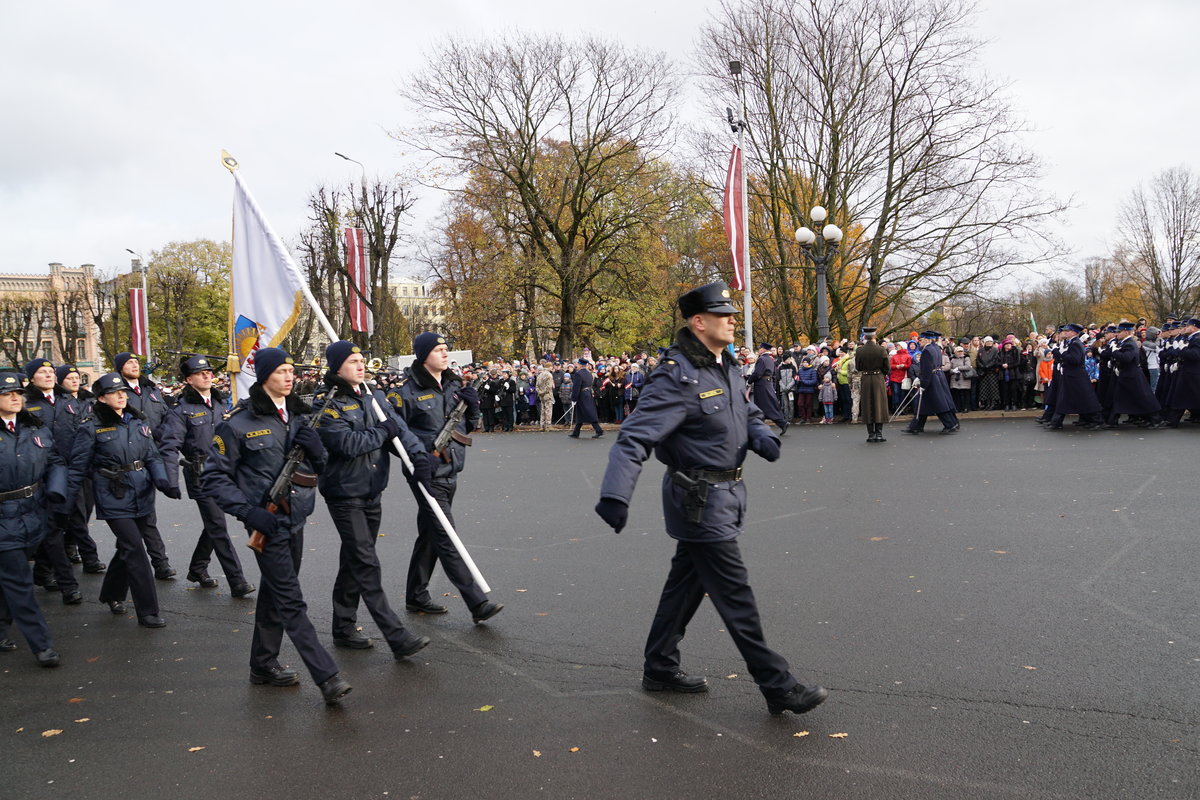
x: 825, y: 248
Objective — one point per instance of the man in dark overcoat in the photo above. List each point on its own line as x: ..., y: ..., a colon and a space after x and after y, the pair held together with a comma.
x: 933, y: 388
x: 1130, y: 388
x: 1075, y: 394
x: 584, y: 400
x: 1185, y: 377
x: 764, y: 392
x: 871, y: 362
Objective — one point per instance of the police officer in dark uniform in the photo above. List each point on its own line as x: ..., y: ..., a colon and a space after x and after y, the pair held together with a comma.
x: 145, y: 397
x: 426, y: 401
x: 1104, y: 347
x: 352, y: 482
x: 116, y: 448
x: 1074, y: 394
x: 250, y: 448
x: 1131, y: 388
x: 52, y: 568
x: 1167, y: 361
x: 1185, y: 373
x: 489, y: 400
x: 187, y: 436
x: 31, y: 473
x: 694, y: 414
x: 765, y: 394
x: 934, y: 390
x: 584, y: 400
x: 81, y: 548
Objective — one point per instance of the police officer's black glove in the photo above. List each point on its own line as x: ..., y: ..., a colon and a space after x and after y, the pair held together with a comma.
x: 310, y: 440
x: 766, y: 446
x: 422, y: 470
x: 470, y: 396
x: 391, y: 426
x: 55, y: 499
x: 614, y: 512
x: 164, y: 486
x: 263, y: 521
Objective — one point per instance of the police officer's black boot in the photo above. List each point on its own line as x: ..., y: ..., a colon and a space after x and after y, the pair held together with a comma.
x: 879, y: 432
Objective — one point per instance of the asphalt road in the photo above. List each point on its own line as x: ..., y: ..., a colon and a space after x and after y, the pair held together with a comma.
x: 1006, y: 613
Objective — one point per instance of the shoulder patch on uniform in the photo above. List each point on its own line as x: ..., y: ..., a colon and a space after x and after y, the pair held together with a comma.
x: 106, y: 430
x: 395, y: 399
x: 429, y: 396
x: 254, y: 434
x: 33, y: 408
x: 351, y: 407
x: 711, y: 393
x: 331, y: 412
x: 219, y: 443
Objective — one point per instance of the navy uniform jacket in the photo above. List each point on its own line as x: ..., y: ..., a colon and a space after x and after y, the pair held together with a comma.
x: 693, y: 413
x: 763, y: 381
x: 27, y: 458
x: 151, y: 403
x: 1131, y: 390
x: 350, y: 430
x: 425, y: 405
x: 187, y: 434
x: 63, y: 418
x: 936, y: 398
x: 1168, y: 358
x: 1185, y: 377
x: 106, y: 441
x: 1075, y: 393
x: 248, y: 451
x: 582, y: 397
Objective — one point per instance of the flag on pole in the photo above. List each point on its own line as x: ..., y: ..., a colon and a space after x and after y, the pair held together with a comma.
x: 356, y: 266
x: 266, y: 285
x: 1033, y: 324
x: 735, y: 229
x: 139, y: 329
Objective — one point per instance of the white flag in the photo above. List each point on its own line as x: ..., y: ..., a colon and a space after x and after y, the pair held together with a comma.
x: 267, y: 286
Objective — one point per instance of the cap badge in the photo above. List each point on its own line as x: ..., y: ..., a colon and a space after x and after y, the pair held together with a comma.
x: 725, y: 293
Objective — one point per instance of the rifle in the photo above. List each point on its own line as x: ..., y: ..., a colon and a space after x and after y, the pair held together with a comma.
x: 449, y: 431
x: 277, y: 497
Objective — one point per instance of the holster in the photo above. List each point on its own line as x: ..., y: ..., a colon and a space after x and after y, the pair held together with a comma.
x: 695, y: 494
x: 117, y: 484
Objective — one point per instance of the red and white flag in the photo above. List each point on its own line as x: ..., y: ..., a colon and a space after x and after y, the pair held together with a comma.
x: 356, y: 265
x: 139, y: 332
x: 735, y: 230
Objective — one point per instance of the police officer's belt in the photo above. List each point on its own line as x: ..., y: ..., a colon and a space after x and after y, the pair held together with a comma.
x: 17, y: 494
x: 709, y: 476
x: 131, y: 467
x: 870, y: 372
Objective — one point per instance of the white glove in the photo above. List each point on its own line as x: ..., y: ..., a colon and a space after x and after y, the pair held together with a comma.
x: 916, y: 382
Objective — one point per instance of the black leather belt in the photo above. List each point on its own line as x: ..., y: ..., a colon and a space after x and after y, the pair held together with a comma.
x: 19, y: 494
x: 710, y: 476
x: 131, y: 467
x: 870, y: 372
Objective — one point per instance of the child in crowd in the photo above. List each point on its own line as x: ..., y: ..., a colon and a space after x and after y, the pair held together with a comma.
x: 828, y: 395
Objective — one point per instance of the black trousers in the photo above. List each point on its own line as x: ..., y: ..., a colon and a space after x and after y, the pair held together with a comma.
x: 154, y: 542
x: 715, y: 569
x: 76, y: 527
x: 129, y: 571
x: 359, y: 575
x: 579, y: 425
x: 214, y: 538
x: 17, y: 601
x: 949, y: 420
x: 489, y: 419
x: 281, y: 607
x: 51, y: 557
x: 433, y: 545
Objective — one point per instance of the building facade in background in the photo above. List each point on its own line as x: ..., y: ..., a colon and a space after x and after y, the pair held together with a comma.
x: 51, y: 316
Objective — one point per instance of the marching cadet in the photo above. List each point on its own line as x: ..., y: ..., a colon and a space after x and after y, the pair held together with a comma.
x: 1185, y: 377
x: 933, y: 389
x: 426, y: 401
x: 187, y: 436
x: 116, y: 447
x: 1074, y: 393
x: 872, y: 362
x: 352, y: 484
x: 146, y: 398
x: 584, y: 401
x: 249, y: 451
x: 763, y: 385
x: 1167, y: 360
x: 81, y: 548
x: 31, y: 473
x: 1105, y: 345
x: 694, y: 415
x: 52, y: 567
x: 1131, y: 388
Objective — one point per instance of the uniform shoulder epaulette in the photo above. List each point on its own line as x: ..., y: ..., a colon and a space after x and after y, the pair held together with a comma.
x: 228, y: 414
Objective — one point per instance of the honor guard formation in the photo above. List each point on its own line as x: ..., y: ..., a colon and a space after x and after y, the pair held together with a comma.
x: 67, y: 451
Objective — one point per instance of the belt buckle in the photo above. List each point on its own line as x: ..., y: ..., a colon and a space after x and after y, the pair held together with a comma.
x: 27, y: 491
x: 737, y: 474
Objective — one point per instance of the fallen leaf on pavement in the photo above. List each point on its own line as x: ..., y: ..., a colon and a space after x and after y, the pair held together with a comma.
x: 879, y: 538
x: 574, y: 750
x: 838, y: 735
x: 731, y: 675
x: 85, y: 719
x: 485, y: 708
x: 537, y: 753
x: 75, y: 700
x: 195, y: 749
x: 800, y: 733
x: 52, y: 732
x: 1028, y: 667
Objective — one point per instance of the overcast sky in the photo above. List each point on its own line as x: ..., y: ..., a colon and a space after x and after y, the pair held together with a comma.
x: 115, y: 112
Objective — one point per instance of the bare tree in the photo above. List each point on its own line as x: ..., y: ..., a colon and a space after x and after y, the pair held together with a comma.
x: 25, y: 321
x: 878, y: 111
x: 563, y: 137
x: 1160, y: 241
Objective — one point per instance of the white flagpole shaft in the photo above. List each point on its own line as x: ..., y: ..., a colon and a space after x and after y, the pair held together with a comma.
x: 404, y: 459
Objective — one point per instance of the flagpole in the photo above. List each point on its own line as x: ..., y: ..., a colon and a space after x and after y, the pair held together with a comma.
x: 433, y: 505
x: 735, y: 68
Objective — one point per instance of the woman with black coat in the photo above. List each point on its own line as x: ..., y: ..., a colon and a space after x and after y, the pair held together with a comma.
x: 115, y: 448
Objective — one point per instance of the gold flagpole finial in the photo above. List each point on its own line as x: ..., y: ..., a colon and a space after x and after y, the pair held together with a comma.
x: 229, y: 162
